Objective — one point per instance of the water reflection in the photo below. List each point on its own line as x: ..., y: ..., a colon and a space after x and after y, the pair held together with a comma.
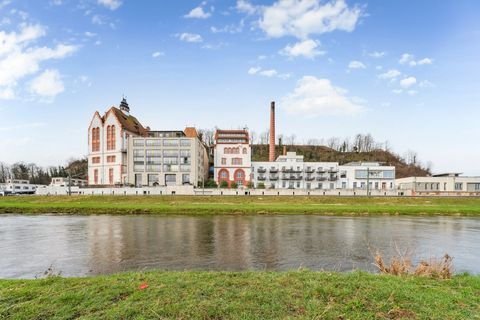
x: 86, y: 245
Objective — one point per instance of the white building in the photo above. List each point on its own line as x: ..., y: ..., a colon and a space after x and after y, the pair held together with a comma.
x: 440, y: 184
x: 290, y: 171
x: 232, y: 157
x: 167, y: 158
x: 63, y: 182
x: 107, y: 145
x: 18, y: 186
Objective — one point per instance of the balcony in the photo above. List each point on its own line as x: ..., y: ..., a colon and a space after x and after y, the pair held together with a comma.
x: 261, y: 178
x: 273, y: 178
x: 273, y: 170
x: 309, y: 170
x: 292, y: 177
x: 333, y: 178
x: 309, y: 178
x: 291, y: 170
x: 321, y: 170
x: 261, y: 170
x: 321, y: 179
x: 333, y: 170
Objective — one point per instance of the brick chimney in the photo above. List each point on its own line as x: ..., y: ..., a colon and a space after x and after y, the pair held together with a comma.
x: 271, y: 149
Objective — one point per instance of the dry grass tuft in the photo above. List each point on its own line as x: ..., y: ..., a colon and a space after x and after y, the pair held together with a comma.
x: 437, y: 268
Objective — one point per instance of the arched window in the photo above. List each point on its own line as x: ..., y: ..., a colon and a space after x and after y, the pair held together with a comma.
x: 225, y: 150
x: 112, y: 138
x: 223, y: 175
x: 244, y: 150
x: 95, y: 139
x: 239, y: 177
x: 108, y: 137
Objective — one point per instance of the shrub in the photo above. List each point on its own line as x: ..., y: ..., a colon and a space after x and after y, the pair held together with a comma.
x: 224, y: 184
x: 260, y: 185
x: 234, y: 185
x: 250, y: 185
x: 210, y: 183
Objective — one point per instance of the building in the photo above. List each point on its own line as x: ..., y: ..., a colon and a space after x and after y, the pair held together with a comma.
x: 167, y: 158
x: 63, y: 182
x: 18, y: 186
x: 289, y: 171
x: 440, y: 184
x: 107, y: 145
x: 232, y: 157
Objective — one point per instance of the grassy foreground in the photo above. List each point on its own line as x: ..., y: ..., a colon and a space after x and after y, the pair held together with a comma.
x: 209, y: 205
x: 241, y: 295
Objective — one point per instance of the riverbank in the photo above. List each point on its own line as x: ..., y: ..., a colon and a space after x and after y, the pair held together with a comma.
x: 245, y: 295
x: 213, y: 205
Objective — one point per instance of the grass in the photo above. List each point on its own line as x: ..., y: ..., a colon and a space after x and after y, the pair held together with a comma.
x: 241, y: 295
x: 212, y: 205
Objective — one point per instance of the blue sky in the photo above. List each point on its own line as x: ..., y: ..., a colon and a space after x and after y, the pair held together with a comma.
x: 406, y: 72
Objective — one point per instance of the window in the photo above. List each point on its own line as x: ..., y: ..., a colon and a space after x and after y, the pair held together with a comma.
x: 110, y: 176
x: 96, y: 160
x: 138, y: 142
x: 95, y: 139
x: 185, y: 143
x: 111, y: 159
x: 152, y: 180
x: 153, y: 142
x: 95, y: 176
x: 170, y: 142
x: 355, y: 185
x: 344, y: 185
x: 224, y: 161
x: 244, y: 150
x: 223, y: 175
x: 185, y: 178
x: 458, y: 186
x: 237, y: 161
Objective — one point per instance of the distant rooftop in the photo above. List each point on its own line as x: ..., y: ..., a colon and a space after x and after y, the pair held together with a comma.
x: 447, y: 174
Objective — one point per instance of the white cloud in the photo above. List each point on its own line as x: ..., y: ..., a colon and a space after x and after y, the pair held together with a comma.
x: 397, y: 91
x: 4, y: 3
x: 412, y: 92
x: 254, y: 70
x: 19, y: 58
x: 408, y: 82
x: 90, y: 34
x: 390, y: 74
x: 306, y: 48
x: 425, y: 61
x: 269, y: 73
x: 190, y: 37
x: 356, y: 65
x: 409, y: 59
x: 48, y: 84
x: 246, y: 7
x: 426, y: 84
x: 231, y: 28
x: 313, y: 97
x: 379, y: 67
x: 406, y: 58
x: 110, y: 4
x: 198, y: 13
x: 302, y: 18
x: 377, y: 54
x: 157, y: 54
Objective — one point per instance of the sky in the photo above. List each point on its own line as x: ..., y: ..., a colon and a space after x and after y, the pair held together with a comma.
x: 407, y: 72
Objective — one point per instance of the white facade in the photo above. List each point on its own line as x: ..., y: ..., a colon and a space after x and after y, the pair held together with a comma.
x: 291, y: 172
x: 232, y: 157
x: 167, y: 159
x: 63, y: 182
x: 107, y: 150
x: 439, y: 184
x: 17, y: 186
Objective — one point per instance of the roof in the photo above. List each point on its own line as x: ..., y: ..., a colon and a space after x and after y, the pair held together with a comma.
x: 128, y: 122
x: 191, y: 132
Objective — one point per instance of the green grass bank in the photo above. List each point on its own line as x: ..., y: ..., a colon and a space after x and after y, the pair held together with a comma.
x: 241, y: 295
x: 212, y: 205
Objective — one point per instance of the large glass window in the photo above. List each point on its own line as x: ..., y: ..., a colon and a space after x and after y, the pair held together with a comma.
x: 185, y: 142
x: 170, y: 142
x: 153, y: 142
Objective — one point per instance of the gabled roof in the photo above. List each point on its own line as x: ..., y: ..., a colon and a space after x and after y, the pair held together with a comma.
x: 128, y: 122
x: 191, y: 132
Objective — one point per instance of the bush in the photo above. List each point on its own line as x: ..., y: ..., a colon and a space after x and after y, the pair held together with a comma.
x: 210, y: 183
x: 260, y: 185
x: 234, y: 185
x: 224, y: 184
x: 250, y: 185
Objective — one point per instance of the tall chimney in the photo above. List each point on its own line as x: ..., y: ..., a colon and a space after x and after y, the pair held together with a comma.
x: 271, y: 149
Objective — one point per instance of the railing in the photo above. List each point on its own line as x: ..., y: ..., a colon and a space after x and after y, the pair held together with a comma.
x: 309, y: 178
x: 309, y: 170
x: 333, y: 170
x: 321, y: 179
x: 261, y: 178
x: 273, y: 170
x: 321, y: 170
x: 273, y: 178
x: 261, y: 170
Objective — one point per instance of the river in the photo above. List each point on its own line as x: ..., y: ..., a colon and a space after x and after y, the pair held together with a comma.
x: 92, y: 245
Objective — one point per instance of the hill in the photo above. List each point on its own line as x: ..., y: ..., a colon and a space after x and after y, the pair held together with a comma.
x: 323, y: 153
